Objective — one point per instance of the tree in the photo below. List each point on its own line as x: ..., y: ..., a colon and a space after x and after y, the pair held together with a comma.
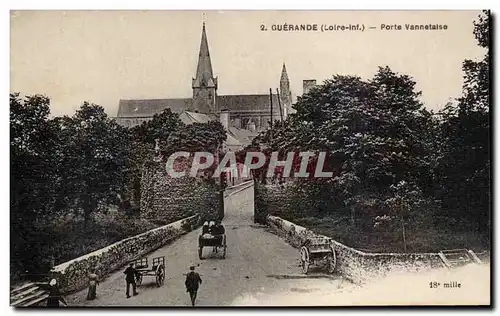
x: 33, y: 139
x: 376, y: 133
x: 159, y: 127
x: 403, y: 204
x: 464, y: 166
x: 197, y: 137
x: 97, y: 152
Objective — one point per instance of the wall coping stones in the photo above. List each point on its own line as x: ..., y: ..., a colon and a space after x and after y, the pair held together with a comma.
x: 356, y: 265
x: 73, y: 275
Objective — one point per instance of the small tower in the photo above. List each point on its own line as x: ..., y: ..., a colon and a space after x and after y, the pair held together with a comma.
x: 204, y: 84
x: 285, y: 93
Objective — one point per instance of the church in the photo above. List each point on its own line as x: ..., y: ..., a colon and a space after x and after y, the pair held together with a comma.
x: 243, y: 116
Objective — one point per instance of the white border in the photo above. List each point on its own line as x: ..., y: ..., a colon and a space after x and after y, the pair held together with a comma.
x: 192, y: 5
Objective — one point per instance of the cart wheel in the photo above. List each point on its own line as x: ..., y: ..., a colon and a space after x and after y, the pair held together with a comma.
x: 160, y: 276
x: 332, y: 260
x: 304, y: 258
x: 200, y: 252
x: 139, y: 279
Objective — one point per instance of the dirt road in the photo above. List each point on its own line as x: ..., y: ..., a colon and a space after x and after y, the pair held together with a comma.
x: 258, y: 264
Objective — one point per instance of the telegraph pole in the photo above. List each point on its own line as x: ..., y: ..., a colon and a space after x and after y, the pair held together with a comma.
x: 271, y: 100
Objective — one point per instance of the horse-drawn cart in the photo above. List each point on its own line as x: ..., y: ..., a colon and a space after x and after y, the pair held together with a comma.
x: 157, y: 270
x: 215, y: 241
x: 317, y: 250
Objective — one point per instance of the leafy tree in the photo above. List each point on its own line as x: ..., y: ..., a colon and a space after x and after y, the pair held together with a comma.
x: 97, y: 158
x: 376, y: 133
x: 159, y: 127
x: 197, y: 137
x: 464, y: 166
x: 33, y: 139
x: 404, y: 204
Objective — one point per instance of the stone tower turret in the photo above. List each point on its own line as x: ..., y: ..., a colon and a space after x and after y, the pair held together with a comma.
x: 285, y: 93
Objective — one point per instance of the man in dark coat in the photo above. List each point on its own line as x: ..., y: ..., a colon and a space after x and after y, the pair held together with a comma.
x: 192, y: 283
x: 218, y: 230
x: 130, y: 273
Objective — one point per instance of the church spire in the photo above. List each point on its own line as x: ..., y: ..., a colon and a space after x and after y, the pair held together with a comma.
x: 204, y: 73
x: 284, y: 75
x: 204, y: 84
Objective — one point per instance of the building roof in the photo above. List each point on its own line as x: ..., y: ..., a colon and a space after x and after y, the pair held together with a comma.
x: 233, y: 103
x: 247, y: 102
x: 243, y: 135
x: 188, y: 117
x: 141, y: 108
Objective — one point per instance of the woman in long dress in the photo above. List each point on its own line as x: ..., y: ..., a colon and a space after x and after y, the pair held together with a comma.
x: 93, y: 281
x: 54, y: 295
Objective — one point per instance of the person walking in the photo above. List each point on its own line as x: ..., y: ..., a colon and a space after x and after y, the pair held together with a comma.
x: 54, y: 295
x: 130, y: 273
x: 93, y: 282
x: 193, y: 281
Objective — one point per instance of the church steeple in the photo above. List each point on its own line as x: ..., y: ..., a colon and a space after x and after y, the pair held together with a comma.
x: 204, y: 84
x: 284, y: 75
x: 285, y: 93
x: 204, y: 73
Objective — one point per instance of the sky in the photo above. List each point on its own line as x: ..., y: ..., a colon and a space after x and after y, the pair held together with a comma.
x: 105, y: 56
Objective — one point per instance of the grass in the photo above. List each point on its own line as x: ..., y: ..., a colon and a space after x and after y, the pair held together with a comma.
x: 421, y: 237
x: 73, y: 239
x: 56, y: 241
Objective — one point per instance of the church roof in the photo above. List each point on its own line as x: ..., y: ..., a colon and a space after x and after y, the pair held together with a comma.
x: 247, y: 102
x: 233, y: 103
x: 140, y: 108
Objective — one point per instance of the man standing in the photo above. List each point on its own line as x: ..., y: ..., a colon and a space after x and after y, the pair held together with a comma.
x: 192, y: 283
x: 130, y: 273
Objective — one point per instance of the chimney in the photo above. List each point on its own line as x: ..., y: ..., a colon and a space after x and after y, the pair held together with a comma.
x: 308, y: 85
x: 224, y: 118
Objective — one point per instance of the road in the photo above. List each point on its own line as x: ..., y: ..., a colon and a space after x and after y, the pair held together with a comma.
x: 258, y: 266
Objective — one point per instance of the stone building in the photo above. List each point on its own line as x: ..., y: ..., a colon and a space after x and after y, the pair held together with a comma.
x: 247, y: 114
x: 308, y: 85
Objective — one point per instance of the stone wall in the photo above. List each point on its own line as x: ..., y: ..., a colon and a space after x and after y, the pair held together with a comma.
x: 356, y: 265
x: 72, y: 275
x: 165, y: 199
x: 278, y: 199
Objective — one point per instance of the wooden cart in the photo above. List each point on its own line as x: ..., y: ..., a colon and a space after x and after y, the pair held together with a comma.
x: 214, y: 241
x: 157, y: 270
x: 318, y: 250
